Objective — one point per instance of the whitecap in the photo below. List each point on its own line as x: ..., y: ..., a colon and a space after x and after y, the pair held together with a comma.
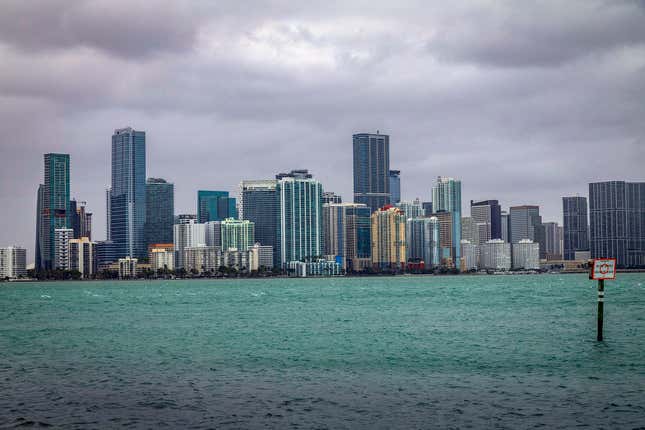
x: 45, y: 296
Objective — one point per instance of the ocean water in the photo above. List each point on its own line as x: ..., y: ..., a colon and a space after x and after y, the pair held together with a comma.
x: 391, y: 352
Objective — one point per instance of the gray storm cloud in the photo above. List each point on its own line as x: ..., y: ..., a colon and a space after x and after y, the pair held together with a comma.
x: 524, y: 101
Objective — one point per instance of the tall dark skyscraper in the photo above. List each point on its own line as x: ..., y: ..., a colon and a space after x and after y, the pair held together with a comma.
x: 524, y: 221
x: 617, y: 222
x: 575, y: 226
x: 215, y: 206
x: 128, y: 193
x: 372, y: 170
x: 259, y: 204
x: 53, y: 207
x: 395, y: 186
x: 488, y: 211
x: 81, y: 220
x: 160, y: 211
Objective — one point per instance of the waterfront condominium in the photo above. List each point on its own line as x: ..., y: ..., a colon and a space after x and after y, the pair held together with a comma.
x: 299, y: 229
x: 388, y: 238
x: 346, y: 228
x: 490, y: 212
x: 128, y: 193
x: 259, y: 204
x: 422, y: 240
x: 13, y: 260
x: 53, y: 208
x: 237, y: 234
x: 617, y: 222
x: 413, y: 209
x: 187, y: 235
x: 160, y: 211
x: 372, y: 169
x: 575, y: 226
x: 395, y: 186
x: 446, y: 197
x: 215, y: 206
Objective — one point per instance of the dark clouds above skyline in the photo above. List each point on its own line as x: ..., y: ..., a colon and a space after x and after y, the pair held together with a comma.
x: 523, y: 101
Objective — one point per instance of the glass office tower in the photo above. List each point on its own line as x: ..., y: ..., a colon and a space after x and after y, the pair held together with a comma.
x: 160, y: 211
x: 128, y: 193
x: 446, y: 197
x: 372, y: 169
x: 215, y: 206
x: 575, y: 225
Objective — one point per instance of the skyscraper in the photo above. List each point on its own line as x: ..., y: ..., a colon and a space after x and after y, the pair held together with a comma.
x: 187, y: 235
x: 299, y: 229
x: 553, y: 243
x: 506, y: 234
x: 81, y: 220
x: 346, y: 228
x: 13, y: 260
x: 331, y: 197
x: 237, y: 234
x: 524, y: 220
x: 490, y: 212
x: 388, y: 238
x: 54, y: 207
x: 215, y: 206
x: 617, y: 215
x: 128, y: 193
x: 446, y: 197
x: 395, y: 186
x: 412, y: 209
x: 372, y: 169
x: 160, y: 211
x: 259, y: 204
x: 422, y: 240
x: 575, y: 225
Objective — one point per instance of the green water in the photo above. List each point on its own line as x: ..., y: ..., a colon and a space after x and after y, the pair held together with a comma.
x: 451, y: 351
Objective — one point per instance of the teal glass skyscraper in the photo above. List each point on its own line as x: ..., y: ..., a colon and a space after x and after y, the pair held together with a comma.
x: 299, y: 229
x: 372, y: 169
x: 128, y: 193
x: 446, y: 197
x: 215, y: 206
x: 53, y: 207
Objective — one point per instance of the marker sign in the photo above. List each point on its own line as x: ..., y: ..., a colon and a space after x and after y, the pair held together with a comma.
x: 604, y: 268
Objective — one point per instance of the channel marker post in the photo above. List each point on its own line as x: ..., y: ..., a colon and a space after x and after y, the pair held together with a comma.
x: 602, y: 269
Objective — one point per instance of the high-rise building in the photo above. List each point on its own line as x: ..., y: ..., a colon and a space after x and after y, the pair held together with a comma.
x: 445, y: 237
x: 506, y: 226
x: 523, y: 222
x: 82, y: 256
x: 553, y: 240
x: 495, y: 255
x: 575, y: 226
x: 215, y: 206
x: 161, y: 256
x: 237, y: 234
x: 489, y: 212
x: 13, y: 261
x: 81, y: 220
x: 331, y: 197
x: 213, y: 233
x: 617, y: 221
x: 185, y: 218
x: 260, y: 256
x: 40, y: 230
x: 446, y: 197
x: 470, y: 230
x: 62, y: 236
x: 427, y: 207
x: 422, y: 240
x: 128, y: 193
x: 372, y: 169
x: 108, y: 213
x: 395, y: 186
x: 106, y: 254
x: 346, y: 228
x: 54, y: 207
x: 388, y: 238
x: 526, y: 255
x: 160, y: 211
x: 188, y: 235
x: 300, y: 227
x: 259, y: 204
x: 412, y: 209
x: 469, y: 256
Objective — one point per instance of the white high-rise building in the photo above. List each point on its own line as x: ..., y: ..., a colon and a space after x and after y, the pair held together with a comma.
x: 82, y: 256
x: 526, y: 255
x: 469, y: 256
x: 495, y: 254
x: 188, y: 235
x: 62, y: 236
x: 13, y: 261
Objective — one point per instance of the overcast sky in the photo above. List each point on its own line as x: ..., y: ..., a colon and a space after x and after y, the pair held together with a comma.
x: 523, y: 101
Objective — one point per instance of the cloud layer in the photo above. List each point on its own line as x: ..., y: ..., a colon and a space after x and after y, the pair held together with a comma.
x: 525, y: 102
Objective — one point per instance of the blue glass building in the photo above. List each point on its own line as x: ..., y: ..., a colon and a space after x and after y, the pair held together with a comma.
x: 395, y: 186
x: 128, y: 193
x: 160, y: 211
x: 575, y: 226
x: 215, y: 206
x: 372, y: 169
x: 446, y: 197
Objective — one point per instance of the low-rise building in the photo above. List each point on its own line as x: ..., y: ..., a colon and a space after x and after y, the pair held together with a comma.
x: 161, y: 256
x: 495, y: 254
x: 127, y: 267
x: 314, y: 268
x: 526, y: 255
x: 260, y: 256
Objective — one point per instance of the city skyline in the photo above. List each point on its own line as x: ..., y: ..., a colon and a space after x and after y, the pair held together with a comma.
x: 532, y: 103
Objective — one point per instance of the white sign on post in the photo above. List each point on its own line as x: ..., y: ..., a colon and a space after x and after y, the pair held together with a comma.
x: 604, y: 268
